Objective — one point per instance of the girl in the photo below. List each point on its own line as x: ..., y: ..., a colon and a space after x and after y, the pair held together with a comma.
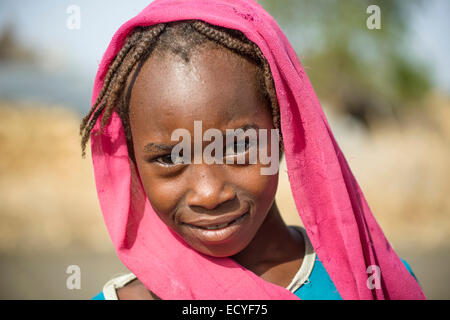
x: 211, y: 230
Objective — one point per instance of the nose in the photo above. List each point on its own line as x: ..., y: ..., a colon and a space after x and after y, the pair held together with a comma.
x: 210, y: 189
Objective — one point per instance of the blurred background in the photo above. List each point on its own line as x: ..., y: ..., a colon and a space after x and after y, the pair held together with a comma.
x: 386, y: 93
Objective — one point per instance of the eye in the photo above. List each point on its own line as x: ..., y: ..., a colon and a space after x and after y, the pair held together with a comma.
x: 239, y: 146
x: 166, y: 160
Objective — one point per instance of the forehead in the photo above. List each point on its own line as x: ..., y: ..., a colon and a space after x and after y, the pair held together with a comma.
x: 215, y: 86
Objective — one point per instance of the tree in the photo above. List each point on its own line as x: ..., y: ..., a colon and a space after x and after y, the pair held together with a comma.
x: 366, y: 73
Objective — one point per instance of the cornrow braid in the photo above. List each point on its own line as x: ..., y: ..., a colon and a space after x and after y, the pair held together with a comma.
x: 87, y: 127
x: 138, y: 47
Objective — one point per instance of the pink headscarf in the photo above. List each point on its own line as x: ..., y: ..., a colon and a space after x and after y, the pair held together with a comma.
x: 332, y: 207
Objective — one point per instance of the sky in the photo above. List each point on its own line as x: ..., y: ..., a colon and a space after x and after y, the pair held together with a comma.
x: 42, y: 26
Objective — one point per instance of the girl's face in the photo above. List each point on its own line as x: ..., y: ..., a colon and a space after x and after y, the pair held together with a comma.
x: 216, y: 208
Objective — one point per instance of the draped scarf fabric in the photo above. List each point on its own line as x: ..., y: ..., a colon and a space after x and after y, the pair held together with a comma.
x: 335, y: 214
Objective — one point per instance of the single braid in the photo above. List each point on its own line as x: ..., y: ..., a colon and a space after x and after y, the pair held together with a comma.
x: 224, y: 39
x: 88, y: 127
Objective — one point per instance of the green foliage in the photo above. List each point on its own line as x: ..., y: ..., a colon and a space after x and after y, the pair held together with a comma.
x: 357, y: 70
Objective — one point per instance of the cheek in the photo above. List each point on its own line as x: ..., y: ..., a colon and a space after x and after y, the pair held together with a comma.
x: 163, y: 194
x: 261, y: 188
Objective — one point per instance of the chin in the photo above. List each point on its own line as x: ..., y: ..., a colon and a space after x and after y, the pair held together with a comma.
x: 221, y: 251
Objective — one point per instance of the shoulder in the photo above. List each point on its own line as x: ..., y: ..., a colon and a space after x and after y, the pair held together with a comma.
x: 125, y: 287
x: 319, y: 286
x: 135, y: 290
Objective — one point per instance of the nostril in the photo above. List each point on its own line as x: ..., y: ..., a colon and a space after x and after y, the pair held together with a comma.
x: 222, y: 200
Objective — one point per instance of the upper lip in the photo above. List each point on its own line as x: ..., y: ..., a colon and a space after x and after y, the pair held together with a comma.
x: 208, y: 221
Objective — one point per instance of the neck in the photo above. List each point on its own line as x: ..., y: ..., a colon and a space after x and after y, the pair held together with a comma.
x: 273, y: 244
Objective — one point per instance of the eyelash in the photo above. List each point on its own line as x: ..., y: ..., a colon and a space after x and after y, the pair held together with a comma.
x: 165, y: 164
x: 235, y: 149
x: 171, y: 164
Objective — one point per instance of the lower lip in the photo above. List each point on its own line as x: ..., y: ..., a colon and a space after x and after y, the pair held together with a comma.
x: 218, y: 235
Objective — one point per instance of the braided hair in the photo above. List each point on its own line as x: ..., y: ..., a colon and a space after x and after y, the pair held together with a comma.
x: 181, y: 38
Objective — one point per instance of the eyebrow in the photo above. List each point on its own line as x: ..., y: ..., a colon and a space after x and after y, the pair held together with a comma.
x: 156, y: 147
x: 248, y: 126
x: 153, y: 147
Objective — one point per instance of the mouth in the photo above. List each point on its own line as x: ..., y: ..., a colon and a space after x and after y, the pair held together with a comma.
x: 216, y: 226
x: 215, y: 232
